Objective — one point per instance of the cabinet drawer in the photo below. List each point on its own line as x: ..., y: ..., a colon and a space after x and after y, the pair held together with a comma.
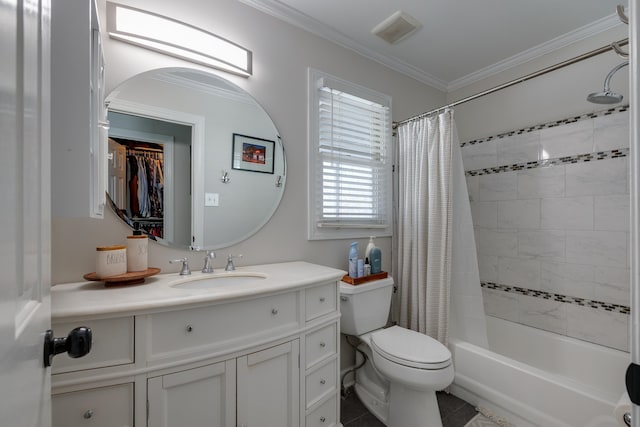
x: 321, y: 300
x: 321, y: 382
x: 112, y: 345
x: 98, y: 407
x: 321, y: 344
x: 324, y: 416
x: 222, y: 325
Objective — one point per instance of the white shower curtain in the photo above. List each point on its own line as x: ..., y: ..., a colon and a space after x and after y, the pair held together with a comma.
x: 424, y: 222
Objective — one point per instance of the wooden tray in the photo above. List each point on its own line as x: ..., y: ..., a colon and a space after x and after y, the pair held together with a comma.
x: 132, y: 278
x: 364, y: 279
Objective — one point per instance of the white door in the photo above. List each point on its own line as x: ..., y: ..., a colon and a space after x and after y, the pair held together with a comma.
x: 24, y: 212
x: 634, y: 89
x: 268, y: 387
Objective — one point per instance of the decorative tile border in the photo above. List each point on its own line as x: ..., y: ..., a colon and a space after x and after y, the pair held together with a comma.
x: 578, y: 158
x: 598, y: 305
x: 549, y: 125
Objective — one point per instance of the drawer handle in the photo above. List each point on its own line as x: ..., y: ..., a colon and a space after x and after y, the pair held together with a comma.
x: 189, y: 328
x: 322, y: 299
x: 323, y: 345
x: 322, y: 419
x: 88, y: 414
x: 323, y: 382
x: 274, y: 311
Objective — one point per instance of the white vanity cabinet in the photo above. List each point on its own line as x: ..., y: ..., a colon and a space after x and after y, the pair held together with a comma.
x: 264, y: 360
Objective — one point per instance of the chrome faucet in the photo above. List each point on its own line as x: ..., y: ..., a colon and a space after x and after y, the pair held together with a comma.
x: 230, y: 266
x: 185, y: 271
x: 208, y: 259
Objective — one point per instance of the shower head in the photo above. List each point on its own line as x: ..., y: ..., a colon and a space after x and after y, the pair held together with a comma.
x: 604, y: 97
x: 607, y: 96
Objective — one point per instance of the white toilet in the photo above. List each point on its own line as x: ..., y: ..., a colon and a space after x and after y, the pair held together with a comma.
x: 404, y: 368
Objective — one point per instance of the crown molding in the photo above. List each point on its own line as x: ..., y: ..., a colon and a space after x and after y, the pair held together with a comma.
x: 553, y: 45
x: 301, y: 20
x: 307, y: 23
x: 201, y: 87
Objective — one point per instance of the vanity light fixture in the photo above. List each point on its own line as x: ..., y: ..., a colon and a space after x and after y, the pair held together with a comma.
x: 178, y: 39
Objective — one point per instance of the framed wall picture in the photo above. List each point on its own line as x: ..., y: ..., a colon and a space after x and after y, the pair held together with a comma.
x: 252, y: 154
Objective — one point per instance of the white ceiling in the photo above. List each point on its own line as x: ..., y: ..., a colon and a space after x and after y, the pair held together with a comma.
x: 460, y: 41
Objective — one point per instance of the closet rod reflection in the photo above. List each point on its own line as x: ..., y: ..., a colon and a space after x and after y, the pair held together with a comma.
x: 146, y: 149
x: 514, y: 82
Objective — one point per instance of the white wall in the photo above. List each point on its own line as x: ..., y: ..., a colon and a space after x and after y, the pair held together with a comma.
x: 282, y: 53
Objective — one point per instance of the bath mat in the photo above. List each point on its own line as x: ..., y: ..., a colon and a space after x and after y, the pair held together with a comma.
x: 487, y: 418
x: 480, y: 421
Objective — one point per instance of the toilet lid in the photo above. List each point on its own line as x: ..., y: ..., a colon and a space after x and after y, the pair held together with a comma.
x: 410, y: 348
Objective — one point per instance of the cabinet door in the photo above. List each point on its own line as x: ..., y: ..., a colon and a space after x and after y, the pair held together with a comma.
x: 200, y: 397
x: 268, y: 387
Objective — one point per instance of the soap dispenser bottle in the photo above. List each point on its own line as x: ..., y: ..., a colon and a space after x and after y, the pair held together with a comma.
x: 353, y: 260
x: 370, y: 246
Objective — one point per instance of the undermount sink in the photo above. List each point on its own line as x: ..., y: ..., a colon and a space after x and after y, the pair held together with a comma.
x: 221, y: 279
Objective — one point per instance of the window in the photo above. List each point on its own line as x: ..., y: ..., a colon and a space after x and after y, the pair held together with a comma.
x: 349, y: 159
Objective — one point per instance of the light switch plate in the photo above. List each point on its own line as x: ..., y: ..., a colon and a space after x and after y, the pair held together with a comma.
x: 211, y: 199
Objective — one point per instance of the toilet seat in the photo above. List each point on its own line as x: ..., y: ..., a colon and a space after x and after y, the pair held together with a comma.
x: 410, y: 348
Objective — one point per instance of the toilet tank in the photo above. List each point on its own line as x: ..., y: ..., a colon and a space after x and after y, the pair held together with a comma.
x: 365, y: 307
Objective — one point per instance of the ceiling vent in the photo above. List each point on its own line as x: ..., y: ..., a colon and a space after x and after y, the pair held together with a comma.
x: 397, y: 27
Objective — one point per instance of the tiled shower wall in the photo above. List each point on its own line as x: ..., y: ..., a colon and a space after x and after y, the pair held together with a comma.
x: 550, y: 207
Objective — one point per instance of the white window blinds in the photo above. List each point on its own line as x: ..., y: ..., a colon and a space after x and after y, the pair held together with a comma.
x: 351, y: 158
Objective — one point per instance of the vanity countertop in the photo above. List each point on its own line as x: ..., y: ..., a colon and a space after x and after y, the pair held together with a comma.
x: 73, y: 300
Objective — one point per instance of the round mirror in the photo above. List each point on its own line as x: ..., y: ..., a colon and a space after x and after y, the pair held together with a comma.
x: 194, y: 160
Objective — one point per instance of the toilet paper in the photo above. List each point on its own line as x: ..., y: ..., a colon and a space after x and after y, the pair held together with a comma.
x: 622, y: 407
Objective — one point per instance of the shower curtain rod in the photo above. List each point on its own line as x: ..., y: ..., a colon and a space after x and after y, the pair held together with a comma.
x: 514, y: 82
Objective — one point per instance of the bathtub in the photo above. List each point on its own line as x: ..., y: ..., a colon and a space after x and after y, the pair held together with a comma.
x: 536, y: 378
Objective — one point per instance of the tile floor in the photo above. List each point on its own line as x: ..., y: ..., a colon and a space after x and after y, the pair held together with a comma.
x: 454, y: 412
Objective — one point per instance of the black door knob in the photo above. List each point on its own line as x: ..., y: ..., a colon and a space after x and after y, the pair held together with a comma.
x: 76, y: 344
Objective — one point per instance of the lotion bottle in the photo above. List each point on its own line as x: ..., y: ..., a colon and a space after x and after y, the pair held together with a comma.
x: 370, y: 246
x: 353, y: 260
